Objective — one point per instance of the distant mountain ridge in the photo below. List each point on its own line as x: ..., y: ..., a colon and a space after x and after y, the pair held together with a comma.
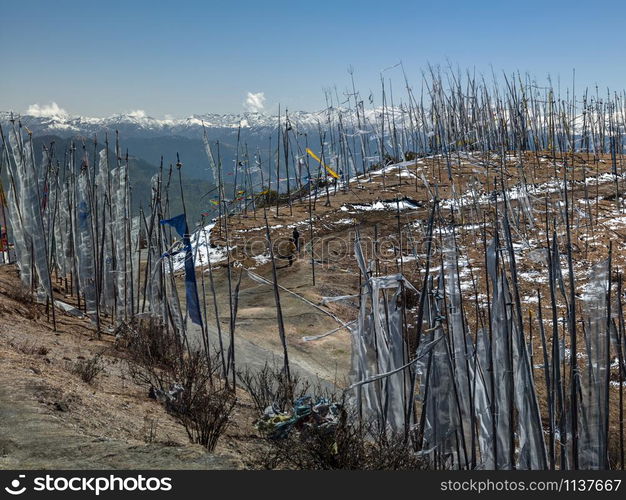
x: 165, y: 140
x: 139, y: 124
x: 151, y: 138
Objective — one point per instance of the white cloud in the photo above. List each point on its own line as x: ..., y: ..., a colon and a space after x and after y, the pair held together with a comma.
x: 137, y: 113
x: 46, y: 110
x: 255, y: 102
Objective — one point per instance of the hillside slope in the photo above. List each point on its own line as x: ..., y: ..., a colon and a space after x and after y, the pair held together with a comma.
x: 51, y: 419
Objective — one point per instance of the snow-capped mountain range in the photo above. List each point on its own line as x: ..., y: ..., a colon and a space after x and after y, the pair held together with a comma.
x: 55, y: 121
x: 165, y: 140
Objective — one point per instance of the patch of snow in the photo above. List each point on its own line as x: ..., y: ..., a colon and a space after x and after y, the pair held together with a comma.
x: 345, y: 221
x: 380, y: 205
x: 262, y: 259
x: 202, y: 250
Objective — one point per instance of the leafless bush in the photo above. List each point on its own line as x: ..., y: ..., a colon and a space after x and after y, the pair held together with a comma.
x: 149, y: 429
x: 153, y: 352
x: 184, y: 381
x: 88, y: 369
x: 204, y: 404
x: 349, y: 445
x: 270, y: 387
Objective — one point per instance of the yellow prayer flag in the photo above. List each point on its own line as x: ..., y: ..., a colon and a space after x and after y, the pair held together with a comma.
x: 330, y: 170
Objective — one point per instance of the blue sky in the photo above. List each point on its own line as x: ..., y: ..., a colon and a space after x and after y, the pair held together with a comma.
x: 182, y: 57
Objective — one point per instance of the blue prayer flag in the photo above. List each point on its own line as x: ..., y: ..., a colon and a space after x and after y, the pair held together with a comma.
x: 191, y: 287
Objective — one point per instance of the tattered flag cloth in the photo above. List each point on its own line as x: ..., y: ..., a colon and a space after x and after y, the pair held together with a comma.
x: 179, y: 223
x: 328, y: 169
x: 191, y: 288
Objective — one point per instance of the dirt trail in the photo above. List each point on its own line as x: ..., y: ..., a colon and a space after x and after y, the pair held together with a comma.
x: 257, y: 341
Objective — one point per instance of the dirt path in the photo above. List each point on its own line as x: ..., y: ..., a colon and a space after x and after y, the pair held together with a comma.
x: 250, y: 356
x: 257, y: 341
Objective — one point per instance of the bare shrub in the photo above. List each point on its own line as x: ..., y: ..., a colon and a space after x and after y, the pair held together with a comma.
x: 153, y: 352
x: 184, y: 381
x: 204, y: 404
x: 270, y: 386
x: 348, y: 445
x: 149, y: 430
x: 206, y: 415
x: 88, y: 369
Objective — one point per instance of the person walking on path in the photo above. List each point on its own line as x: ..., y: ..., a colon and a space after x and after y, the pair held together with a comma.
x: 296, y: 239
